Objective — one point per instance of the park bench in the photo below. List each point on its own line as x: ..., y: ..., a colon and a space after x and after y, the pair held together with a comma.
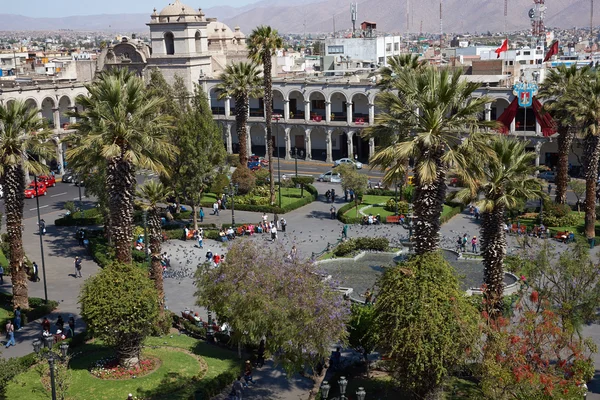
x: 392, y: 219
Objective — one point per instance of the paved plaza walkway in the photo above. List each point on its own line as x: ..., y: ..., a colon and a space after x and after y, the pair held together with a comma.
x: 309, y: 228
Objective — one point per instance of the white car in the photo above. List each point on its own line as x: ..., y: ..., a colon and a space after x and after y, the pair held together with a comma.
x: 330, y: 176
x: 1, y: 192
x: 341, y: 161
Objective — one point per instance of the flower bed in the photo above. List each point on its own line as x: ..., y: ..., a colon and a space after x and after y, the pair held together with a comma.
x: 109, y: 368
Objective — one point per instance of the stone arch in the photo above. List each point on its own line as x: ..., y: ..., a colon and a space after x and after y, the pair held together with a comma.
x: 296, y: 99
x: 317, y: 104
x: 48, y: 106
x: 278, y: 102
x: 64, y: 104
x: 498, y: 107
x: 257, y: 107
x: 298, y: 140
x: 278, y: 139
x: 257, y: 137
x: 217, y: 106
x: 339, y: 106
x: 339, y: 143
x: 169, y: 40
x: 360, y: 107
x: 318, y: 143
x: 198, y: 42
x: 32, y: 103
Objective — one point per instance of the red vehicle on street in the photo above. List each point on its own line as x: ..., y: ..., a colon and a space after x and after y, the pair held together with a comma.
x: 48, y: 180
x: 30, y: 190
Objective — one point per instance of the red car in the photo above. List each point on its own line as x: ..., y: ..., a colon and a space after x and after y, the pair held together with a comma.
x: 48, y: 180
x: 30, y: 190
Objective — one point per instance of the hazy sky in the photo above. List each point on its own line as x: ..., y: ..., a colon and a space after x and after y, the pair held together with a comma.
x: 64, y: 8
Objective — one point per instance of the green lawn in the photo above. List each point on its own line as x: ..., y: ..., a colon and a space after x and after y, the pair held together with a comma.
x: 369, y: 199
x: 285, y: 192
x: 578, y: 227
x: 172, y: 380
x: 3, y: 261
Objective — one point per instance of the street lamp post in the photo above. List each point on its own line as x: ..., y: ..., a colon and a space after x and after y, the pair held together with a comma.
x: 41, y: 233
x: 296, y: 158
x: 277, y: 117
x: 51, y: 356
x: 232, y: 192
x: 343, y: 383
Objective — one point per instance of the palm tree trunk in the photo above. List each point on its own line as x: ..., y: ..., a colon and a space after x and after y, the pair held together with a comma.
x: 241, y: 117
x: 591, y: 156
x: 565, y: 140
x: 493, y: 249
x: 428, y: 206
x: 120, y: 179
x: 156, y: 270
x: 14, y: 189
x: 268, y: 100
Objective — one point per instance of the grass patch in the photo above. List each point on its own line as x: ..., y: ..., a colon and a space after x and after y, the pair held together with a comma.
x: 3, y: 261
x: 176, y: 378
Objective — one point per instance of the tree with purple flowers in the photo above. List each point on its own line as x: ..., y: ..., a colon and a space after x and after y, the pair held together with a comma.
x: 260, y: 291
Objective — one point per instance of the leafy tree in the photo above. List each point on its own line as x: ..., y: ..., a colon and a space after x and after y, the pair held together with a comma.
x: 121, y: 121
x: 152, y: 193
x: 533, y: 358
x: 220, y: 184
x: 556, y: 90
x: 259, y: 294
x: 263, y: 43
x: 200, y: 142
x: 119, y: 305
x: 241, y: 81
x: 21, y: 138
x: 447, y: 120
x: 426, y: 325
x: 352, y: 179
x: 316, y: 48
x: 244, y: 179
x: 362, y: 332
x: 578, y: 188
x: 504, y: 179
x: 303, y: 181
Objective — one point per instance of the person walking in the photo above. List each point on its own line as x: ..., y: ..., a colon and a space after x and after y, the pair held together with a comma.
x: 10, y: 333
x: 78, y: 267
x: 474, y: 244
x: 333, y: 195
x: 18, y: 318
x: 464, y: 243
x: 72, y: 324
x: 81, y: 236
x: 36, y: 272
x: 200, y: 237
x: 60, y: 323
x: 201, y: 214
x: 345, y: 232
x: 248, y: 372
x: 273, y: 232
x: 238, y: 388
x: 215, y: 208
x: 549, y: 188
x: 1, y: 274
x: 43, y: 227
x: 283, y: 224
x: 332, y: 212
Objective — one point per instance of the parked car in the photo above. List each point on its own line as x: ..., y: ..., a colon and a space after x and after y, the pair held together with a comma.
x: 1, y: 192
x: 330, y: 176
x: 350, y: 161
x: 549, y: 176
x: 68, y: 177
x: 30, y: 190
x: 263, y: 162
x: 48, y: 180
x: 254, y: 165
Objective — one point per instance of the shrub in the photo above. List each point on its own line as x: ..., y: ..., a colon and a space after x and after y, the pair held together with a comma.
x: 567, y: 220
x: 70, y: 206
x: 221, y: 182
x: 233, y: 160
x: 446, y: 217
x: 390, y: 205
x: 262, y: 177
x: 14, y: 366
x: 245, y: 179
x: 91, y: 216
x: 3, y: 260
x: 361, y: 243
x: 346, y: 219
x: 209, y: 388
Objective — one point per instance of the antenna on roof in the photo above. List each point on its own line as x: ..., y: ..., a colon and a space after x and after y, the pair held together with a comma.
x: 353, y: 14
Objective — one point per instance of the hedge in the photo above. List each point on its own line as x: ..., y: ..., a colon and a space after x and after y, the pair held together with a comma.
x: 37, y: 308
x: 12, y: 367
x: 341, y: 215
x: 455, y: 210
x: 361, y: 243
x: 91, y: 216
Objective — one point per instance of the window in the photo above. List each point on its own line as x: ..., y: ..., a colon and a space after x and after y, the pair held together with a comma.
x: 169, y: 43
x: 335, y: 49
x: 381, y: 60
x: 388, y: 47
x: 526, y: 53
x: 198, y: 42
x: 396, y: 46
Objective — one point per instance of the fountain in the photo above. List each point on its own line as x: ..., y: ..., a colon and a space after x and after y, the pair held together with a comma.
x: 361, y: 272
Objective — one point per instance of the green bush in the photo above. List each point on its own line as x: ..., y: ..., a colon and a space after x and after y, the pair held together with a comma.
x: 233, y: 160
x: 220, y: 183
x: 10, y: 368
x: 37, y: 309
x: 183, y: 215
x: 91, y: 216
x: 361, y: 243
x: 245, y: 180
x: 262, y: 177
x: 390, y: 205
x: 446, y: 217
x: 3, y: 261
x: 568, y: 220
x: 346, y: 219
x: 209, y: 388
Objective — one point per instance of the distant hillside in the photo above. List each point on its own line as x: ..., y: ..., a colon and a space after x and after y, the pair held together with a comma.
x: 318, y: 15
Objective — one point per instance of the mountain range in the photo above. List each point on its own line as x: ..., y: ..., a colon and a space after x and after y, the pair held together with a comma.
x: 318, y: 16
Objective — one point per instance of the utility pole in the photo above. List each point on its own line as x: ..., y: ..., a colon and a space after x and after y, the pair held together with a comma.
x: 592, y: 23
x: 441, y: 30
x: 334, y: 25
x: 506, y: 17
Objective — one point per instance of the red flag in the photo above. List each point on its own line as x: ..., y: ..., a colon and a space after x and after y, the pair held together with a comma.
x: 502, y: 48
x: 551, y: 51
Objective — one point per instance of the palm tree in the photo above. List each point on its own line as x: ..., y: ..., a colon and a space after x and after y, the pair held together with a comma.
x: 21, y: 137
x: 262, y: 45
x: 433, y: 115
x: 555, y: 90
x: 152, y: 193
x: 397, y: 64
x: 503, y: 179
x: 583, y: 102
x: 121, y: 122
x: 241, y: 81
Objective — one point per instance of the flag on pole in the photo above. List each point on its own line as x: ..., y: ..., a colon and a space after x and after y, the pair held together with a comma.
x: 502, y: 48
x: 551, y: 51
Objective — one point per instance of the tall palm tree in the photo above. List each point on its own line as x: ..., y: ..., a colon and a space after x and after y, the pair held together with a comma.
x: 122, y: 121
x: 263, y: 42
x: 21, y: 138
x: 555, y: 89
x: 432, y: 116
x: 241, y: 81
x: 152, y: 193
x: 397, y: 64
x: 503, y: 180
x: 584, y: 103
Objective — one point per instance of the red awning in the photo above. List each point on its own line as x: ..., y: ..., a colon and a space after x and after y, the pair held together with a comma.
x: 543, y: 118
